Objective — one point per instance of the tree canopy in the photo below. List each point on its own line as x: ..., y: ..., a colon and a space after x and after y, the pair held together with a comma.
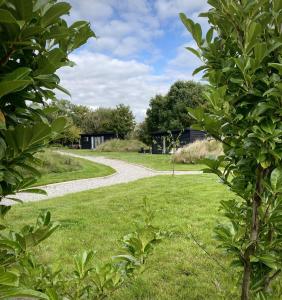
x: 170, y: 111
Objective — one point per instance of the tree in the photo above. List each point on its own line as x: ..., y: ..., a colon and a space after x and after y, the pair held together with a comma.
x: 122, y: 121
x: 170, y: 111
x: 242, y: 63
x: 97, y: 121
x: 119, y: 120
x: 35, y: 42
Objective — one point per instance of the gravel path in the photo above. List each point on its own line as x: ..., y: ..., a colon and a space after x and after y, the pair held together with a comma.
x: 125, y: 172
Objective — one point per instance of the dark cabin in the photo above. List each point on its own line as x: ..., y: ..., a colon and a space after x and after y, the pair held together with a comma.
x: 92, y: 140
x: 161, y: 139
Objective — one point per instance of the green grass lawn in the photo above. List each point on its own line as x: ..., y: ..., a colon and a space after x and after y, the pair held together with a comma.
x: 87, y: 169
x: 178, y: 268
x: 160, y: 162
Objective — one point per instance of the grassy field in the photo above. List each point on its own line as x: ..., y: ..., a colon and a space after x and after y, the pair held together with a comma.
x: 154, y: 161
x: 178, y: 268
x: 57, y: 169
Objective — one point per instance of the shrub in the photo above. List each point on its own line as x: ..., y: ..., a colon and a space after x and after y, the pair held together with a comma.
x: 198, y: 150
x: 242, y: 62
x: 117, y: 145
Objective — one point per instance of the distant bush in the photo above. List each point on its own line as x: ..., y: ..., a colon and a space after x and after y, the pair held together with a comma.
x: 198, y: 150
x: 53, y: 162
x: 117, y: 145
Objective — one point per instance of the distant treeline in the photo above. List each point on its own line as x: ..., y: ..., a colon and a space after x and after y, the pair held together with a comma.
x: 165, y: 112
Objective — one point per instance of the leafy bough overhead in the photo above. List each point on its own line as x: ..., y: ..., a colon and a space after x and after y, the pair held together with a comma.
x: 35, y: 43
x: 243, y: 63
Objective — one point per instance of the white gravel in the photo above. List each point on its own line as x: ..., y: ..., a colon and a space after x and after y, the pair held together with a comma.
x: 125, y: 172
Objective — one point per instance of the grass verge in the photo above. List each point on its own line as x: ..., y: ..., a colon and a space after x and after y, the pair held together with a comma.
x: 161, y: 162
x: 86, y: 169
x: 178, y: 269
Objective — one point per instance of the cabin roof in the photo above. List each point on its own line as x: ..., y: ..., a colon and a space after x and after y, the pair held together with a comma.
x: 98, y: 134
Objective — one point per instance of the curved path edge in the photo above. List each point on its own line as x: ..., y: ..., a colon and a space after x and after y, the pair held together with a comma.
x: 125, y: 172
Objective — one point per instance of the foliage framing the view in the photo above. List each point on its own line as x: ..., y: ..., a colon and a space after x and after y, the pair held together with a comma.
x: 35, y: 43
x: 243, y: 65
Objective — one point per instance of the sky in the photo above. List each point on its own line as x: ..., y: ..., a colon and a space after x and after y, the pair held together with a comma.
x: 140, y: 51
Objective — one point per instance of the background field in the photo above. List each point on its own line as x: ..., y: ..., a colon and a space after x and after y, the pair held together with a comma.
x: 161, y: 162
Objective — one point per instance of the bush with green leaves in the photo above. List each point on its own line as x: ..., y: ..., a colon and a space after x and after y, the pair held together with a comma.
x: 35, y: 42
x: 243, y: 63
x: 87, y: 280
x: 118, y: 145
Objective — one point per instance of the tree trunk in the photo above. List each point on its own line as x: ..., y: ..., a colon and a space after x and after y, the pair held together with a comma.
x: 254, y: 233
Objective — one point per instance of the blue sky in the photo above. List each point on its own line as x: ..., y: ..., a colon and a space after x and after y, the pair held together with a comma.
x: 140, y: 51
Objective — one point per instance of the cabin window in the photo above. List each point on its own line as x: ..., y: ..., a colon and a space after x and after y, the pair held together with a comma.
x: 86, y: 139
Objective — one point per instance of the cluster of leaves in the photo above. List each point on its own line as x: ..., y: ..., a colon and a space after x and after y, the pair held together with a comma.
x: 82, y: 119
x: 243, y: 64
x: 35, y: 43
x: 25, y: 276
x: 119, y: 120
x: 169, y: 112
x: 14, y: 254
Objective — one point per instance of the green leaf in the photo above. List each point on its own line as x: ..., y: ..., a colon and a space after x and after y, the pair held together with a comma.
x: 8, y: 278
x: 52, y: 294
x: 4, y: 209
x: 24, y: 8
x: 62, y: 89
x: 56, y: 11
x: 59, y: 124
x: 7, y: 87
x: 11, y: 292
x: 277, y: 67
x: 6, y: 17
x: 18, y: 74
x: 260, y: 51
x: 270, y: 261
x: 276, y: 179
x: 254, y: 30
x: 209, y: 35
x: 188, y: 23
x: 194, y: 51
x: 198, y: 34
x: 199, y: 69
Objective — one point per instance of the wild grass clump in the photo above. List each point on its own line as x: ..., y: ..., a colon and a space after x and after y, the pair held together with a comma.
x: 53, y: 162
x: 117, y: 145
x: 198, y: 150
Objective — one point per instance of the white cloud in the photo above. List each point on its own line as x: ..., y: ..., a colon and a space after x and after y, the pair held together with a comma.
x: 171, y: 8
x: 101, y: 81
x: 124, y: 28
x: 110, y: 70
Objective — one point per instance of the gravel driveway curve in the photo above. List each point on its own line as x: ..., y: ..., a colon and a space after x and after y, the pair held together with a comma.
x: 125, y: 172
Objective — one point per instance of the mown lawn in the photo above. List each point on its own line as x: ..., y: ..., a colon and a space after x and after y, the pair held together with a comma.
x: 160, y: 162
x: 178, y: 268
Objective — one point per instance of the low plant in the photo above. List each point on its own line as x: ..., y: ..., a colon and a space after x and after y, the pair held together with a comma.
x: 88, y: 279
x: 118, y: 145
x: 198, y: 150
